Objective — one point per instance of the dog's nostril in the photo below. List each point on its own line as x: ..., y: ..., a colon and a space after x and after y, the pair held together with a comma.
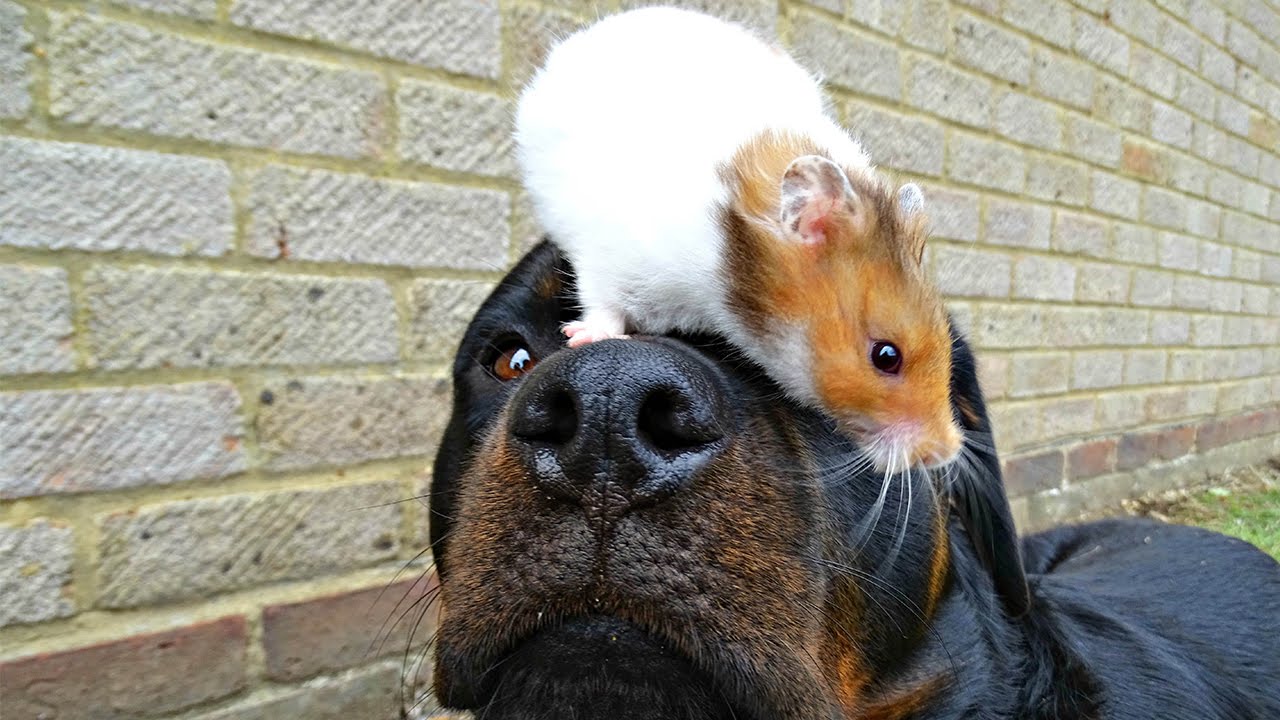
x: 553, y: 420
x: 667, y: 422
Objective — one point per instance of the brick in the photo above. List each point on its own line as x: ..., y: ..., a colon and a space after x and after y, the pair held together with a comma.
x: 846, y: 59
x: 1049, y: 20
x: 1206, y: 330
x: 1010, y: 327
x: 1042, y: 278
x: 35, y: 578
x: 993, y: 374
x: 1169, y: 404
x: 1243, y: 43
x: 1175, y: 442
x: 1133, y: 244
x: 1164, y: 209
x: 1179, y: 43
x: 441, y: 310
x: 1120, y: 410
x: 1145, y: 367
x: 139, y: 676
x: 1068, y: 417
x: 1143, y: 160
x: 460, y: 36
x: 1136, y: 450
x: 1179, y: 252
x: 1040, y: 374
x: 1100, y: 44
x: 986, y: 47
x: 1170, y: 125
x: 1186, y: 366
x: 1028, y: 120
x: 35, y: 328
x: 1150, y: 70
x: 1152, y: 288
x: 129, y: 77
x: 1114, y: 195
x: 456, y: 129
x: 937, y: 88
x: 199, y: 9
x: 1195, y: 95
x: 1215, y: 259
x: 1062, y: 78
x: 1225, y: 297
x: 1218, y: 67
x: 1091, y: 459
x: 1102, y: 283
x: 925, y: 24
x: 1076, y: 234
x: 1232, y: 115
x: 905, y: 143
x: 1170, y: 328
x: 1239, y: 229
x: 1030, y: 474
x: 15, y: 61
x: 1093, y: 369
x: 1255, y: 300
x: 1139, y: 19
x: 1017, y: 224
x: 64, y: 441
x: 1208, y: 19
x: 1191, y: 292
x: 307, y: 422
x: 196, y: 548
x: 371, y: 693
x: 758, y: 15
x: 526, y: 232
x: 1119, y: 103
x: 332, y: 217
x: 953, y: 214
x: 1057, y: 180
x: 60, y: 196
x: 883, y: 15
x: 539, y: 29
x: 326, y: 634
x: 1203, y: 218
x: 144, y: 318
x: 987, y: 163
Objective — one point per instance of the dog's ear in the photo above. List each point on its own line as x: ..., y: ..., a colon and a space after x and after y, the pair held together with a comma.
x: 978, y: 496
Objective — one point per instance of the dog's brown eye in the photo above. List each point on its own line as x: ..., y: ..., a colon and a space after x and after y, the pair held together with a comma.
x: 513, y: 361
x: 886, y: 358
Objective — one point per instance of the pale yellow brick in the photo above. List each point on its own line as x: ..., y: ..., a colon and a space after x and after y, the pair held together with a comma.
x: 971, y: 272
x: 1152, y: 288
x: 917, y: 145
x: 1178, y: 42
x: 1215, y: 259
x: 1255, y: 299
x: 1203, y: 218
x: 1017, y: 224
x: 1225, y: 296
x: 938, y: 88
x: 1042, y: 278
x: 1195, y: 95
x: 1102, y: 283
x: 1191, y: 292
x: 1068, y: 417
x: 1218, y: 364
x: 1186, y: 173
x: 1077, y: 234
x: 993, y: 374
x: 850, y: 60
x: 1163, y: 405
x: 1049, y: 20
x: 1164, y: 209
x: 1134, y: 244
x: 1100, y: 44
x: 1232, y: 114
x: 1150, y: 69
x: 1179, y: 252
x: 925, y: 25
x: 1118, y: 103
x: 1201, y: 400
x: 1060, y: 77
x: 1093, y: 369
x: 987, y: 47
x: 1010, y: 326
x: 953, y: 214
x: 1170, y: 125
x: 1114, y: 195
x: 1063, y: 181
x: 1219, y: 67
x: 1093, y: 141
x: 1238, y: 331
x: 1120, y: 410
x: 1040, y: 374
x: 1015, y: 425
x: 1170, y: 328
x: 1145, y: 367
x: 1206, y: 330
x: 978, y: 161
x: 1028, y: 120
x: 1209, y: 19
x: 1186, y: 366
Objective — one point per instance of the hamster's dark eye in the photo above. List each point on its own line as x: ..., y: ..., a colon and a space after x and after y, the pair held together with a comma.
x: 512, y: 360
x: 886, y: 357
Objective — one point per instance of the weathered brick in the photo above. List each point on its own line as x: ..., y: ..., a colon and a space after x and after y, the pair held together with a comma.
x: 134, y: 78
x: 1029, y: 474
x: 1014, y: 425
x: 953, y: 214
x: 333, y: 217
x: 1206, y: 330
x: 1179, y: 43
x: 1232, y: 114
x: 1215, y: 259
x: 1150, y: 70
x: 1100, y: 44
x: 325, y: 634
x: 36, y: 574
x: 883, y: 15
x: 1119, y: 103
x: 1170, y: 328
x: 335, y: 421
x: 1166, y: 404
x: 144, y: 318
x: 1164, y: 209
x: 938, y: 88
x: 35, y: 328
x: 1152, y: 288
x: 1040, y: 374
x: 1028, y: 120
x: 71, y: 196
x: 461, y: 36
x: 926, y: 24
x: 1049, y: 20
x: 15, y: 62
x: 1225, y: 297
x: 1173, y: 443
x: 539, y: 29
x: 1043, y: 278
x: 987, y: 163
x: 1063, y: 181
x: 1195, y: 95
x: 140, y: 676
x: 195, y: 548
x: 1255, y: 300
x: 1068, y: 417
x: 1092, y: 369
x: 1077, y: 234
x: 1219, y: 67
x: 1186, y: 366
x: 441, y: 311
x: 1136, y: 450
x: 1134, y: 244
x: 1203, y: 218
x: 200, y: 9
x: 897, y: 141
x: 1191, y: 292
x: 846, y: 59
x: 1170, y: 125
x: 371, y: 693
x: 1179, y: 252
x: 62, y: 441
x: 1118, y: 411
x: 1114, y: 195
x: 987, y: 47
x: 1091, y: 459
x: 758, y: 15
x: 1209, y: 19
x: 455, y: 129
x: 1102, y: 283
x: 1145, y: 367
x: 1062, y: 78
x: 993, y: 374
x: 1005, y: 326
x: 1017, y: 224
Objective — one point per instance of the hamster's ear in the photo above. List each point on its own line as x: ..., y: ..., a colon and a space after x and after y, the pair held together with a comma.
x: 814, y: 190
x: 911, y: 205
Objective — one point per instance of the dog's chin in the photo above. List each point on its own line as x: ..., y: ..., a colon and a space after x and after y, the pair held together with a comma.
x: 600, y: 668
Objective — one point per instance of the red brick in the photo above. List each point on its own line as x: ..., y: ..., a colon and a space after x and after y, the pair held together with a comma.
x: 339, y: 631
x: 1091, y: 459
x: 1030, y: 474
x: 1136, y: 450
x: 1212, y: 434
x: 140, y: 676
x: 1175, y: 442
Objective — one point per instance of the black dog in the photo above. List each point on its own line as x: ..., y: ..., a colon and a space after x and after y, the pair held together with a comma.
x: 648, y: 529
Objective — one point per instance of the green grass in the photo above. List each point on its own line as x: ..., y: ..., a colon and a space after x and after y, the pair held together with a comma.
x: 1249, y: 513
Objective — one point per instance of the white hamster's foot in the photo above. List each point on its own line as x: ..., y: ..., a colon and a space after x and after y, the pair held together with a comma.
x: 592, y: 328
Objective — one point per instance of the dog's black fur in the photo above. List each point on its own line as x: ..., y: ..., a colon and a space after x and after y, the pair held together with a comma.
x: 647, y: 529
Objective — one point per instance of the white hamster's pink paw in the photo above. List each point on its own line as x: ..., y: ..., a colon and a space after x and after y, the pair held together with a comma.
x: 581, y: 333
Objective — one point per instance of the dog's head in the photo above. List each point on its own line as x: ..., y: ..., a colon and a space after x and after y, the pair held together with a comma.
x: 647, y: 528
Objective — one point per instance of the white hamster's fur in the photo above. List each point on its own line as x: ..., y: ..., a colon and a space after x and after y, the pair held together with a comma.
x: 620, y: 138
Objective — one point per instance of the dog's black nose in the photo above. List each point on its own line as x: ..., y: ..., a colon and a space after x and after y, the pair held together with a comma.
x: 619, y: 424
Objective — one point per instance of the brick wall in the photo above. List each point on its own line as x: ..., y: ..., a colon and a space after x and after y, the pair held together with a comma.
x: 238, y: 239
